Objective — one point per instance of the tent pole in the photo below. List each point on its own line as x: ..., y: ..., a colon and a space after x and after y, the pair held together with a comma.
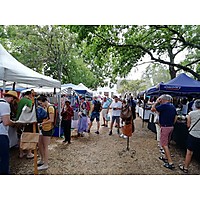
x: 59, y: 111
x: 14, y: 84
x: 4, y: 86
x: 144, y: 110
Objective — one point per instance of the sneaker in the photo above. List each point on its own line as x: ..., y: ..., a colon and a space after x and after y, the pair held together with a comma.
x: 110, y: 133
x: 121, y: 135
x: 43, y: 167
x: 30, y: 156
x: 103, y: 125
x: 97, y: 132
x: 22, y: 155
x: 82, y: 134
x: 169, y: 166
x: 40, y: 162
x: 124, y: 137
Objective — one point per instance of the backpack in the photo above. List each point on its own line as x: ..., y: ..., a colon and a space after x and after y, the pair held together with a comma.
x: 56, y: 114
x: 97, y: 106
x: 41, y: 114
x: 88, y: 106
x: 126, y: 113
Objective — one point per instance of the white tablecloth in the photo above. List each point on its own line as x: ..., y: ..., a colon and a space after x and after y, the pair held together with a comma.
x: 146, y: 114
x: 12, y: 133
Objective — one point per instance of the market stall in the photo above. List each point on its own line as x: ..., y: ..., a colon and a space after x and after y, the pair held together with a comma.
x: 181, y: 86
x: 13, y: 70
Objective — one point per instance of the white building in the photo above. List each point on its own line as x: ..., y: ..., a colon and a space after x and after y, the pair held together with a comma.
x: 106, y: 90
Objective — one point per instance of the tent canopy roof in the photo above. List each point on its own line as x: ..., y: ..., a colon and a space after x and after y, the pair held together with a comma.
x: 180, y: 86
x: 81, y: 89
x: 13, y: 70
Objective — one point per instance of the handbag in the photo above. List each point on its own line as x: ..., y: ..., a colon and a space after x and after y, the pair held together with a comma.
x: 107, y: 117
x: 29, y: 140
x: 127, y: 129
x: 126, y: 113
x: 193, y: 125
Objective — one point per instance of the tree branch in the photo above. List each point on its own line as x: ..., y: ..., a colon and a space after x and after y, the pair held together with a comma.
x: 185, y: 68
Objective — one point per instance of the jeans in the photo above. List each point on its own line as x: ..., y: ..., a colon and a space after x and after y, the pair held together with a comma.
x: 4, y: 155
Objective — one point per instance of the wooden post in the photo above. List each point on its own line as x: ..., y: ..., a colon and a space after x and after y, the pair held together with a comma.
x: 35, y: 152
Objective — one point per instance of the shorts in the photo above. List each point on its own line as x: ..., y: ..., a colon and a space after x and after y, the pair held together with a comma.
x: 115, y: 118
x: 104, y: 112
x: 165, y: 135
x: 193, y: 143
x: 95, y: 115
x: 48, y: 133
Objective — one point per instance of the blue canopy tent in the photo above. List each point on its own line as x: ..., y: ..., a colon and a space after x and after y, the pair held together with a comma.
x: 182, y: 85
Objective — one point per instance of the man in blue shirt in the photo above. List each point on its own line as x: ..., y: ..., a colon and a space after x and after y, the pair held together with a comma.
x: 167, y: 118
x: 105, y: 109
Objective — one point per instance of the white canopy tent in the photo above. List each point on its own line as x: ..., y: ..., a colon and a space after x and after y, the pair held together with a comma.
x: 84, y: 87
x: 80, y: 88
x: 41, y: 90
x: 13, y: 70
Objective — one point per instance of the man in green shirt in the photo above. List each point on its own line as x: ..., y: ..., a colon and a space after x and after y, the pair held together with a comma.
x: 24, y: 101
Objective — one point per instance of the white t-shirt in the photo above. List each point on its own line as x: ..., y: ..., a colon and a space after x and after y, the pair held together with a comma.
x: 116, y: 105
x: 4, y: 110
x: 195, y: 115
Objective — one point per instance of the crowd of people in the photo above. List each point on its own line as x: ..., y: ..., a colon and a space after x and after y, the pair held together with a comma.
x: 86, y: 111
x: 167, y: 113
x: 11, y: 108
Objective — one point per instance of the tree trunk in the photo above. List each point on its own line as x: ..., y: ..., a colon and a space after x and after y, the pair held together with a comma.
x: 172, y: 70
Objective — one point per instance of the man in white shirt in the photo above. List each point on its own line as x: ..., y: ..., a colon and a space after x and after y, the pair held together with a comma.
x: 5, y: 122
x: 116, y: 107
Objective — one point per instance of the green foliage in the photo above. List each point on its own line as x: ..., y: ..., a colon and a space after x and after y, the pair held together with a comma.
x: 52, y: 50
x: 133, y: 86
x: 117, y: 49
x: 90, y: 54
x: 155, y: 74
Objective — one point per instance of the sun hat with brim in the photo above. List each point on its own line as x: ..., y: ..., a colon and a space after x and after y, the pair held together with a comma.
x: 11, y: 93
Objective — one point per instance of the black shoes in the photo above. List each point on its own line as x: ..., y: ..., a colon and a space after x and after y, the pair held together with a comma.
x: 88, y: 131
x: 169, y: 166
x: 110, y: 133
x: 65, y: 141
x: 97, y: 132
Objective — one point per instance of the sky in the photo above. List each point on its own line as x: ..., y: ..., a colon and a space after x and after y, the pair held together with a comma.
x: 92, y: 12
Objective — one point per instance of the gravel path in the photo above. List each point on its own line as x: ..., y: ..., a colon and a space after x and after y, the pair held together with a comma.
x: 105, y: 155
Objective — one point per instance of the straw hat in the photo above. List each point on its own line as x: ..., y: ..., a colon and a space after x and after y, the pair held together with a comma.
x: 11, y: 93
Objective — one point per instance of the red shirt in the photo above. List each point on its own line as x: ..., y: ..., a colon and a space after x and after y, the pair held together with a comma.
x: 67, y: 114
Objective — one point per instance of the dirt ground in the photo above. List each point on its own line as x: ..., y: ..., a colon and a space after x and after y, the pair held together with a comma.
x: 105, y: 155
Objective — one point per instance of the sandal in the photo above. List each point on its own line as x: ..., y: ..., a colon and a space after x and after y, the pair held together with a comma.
x: 169, y: 166
x: 182, y: 168
x: 163, y: 159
